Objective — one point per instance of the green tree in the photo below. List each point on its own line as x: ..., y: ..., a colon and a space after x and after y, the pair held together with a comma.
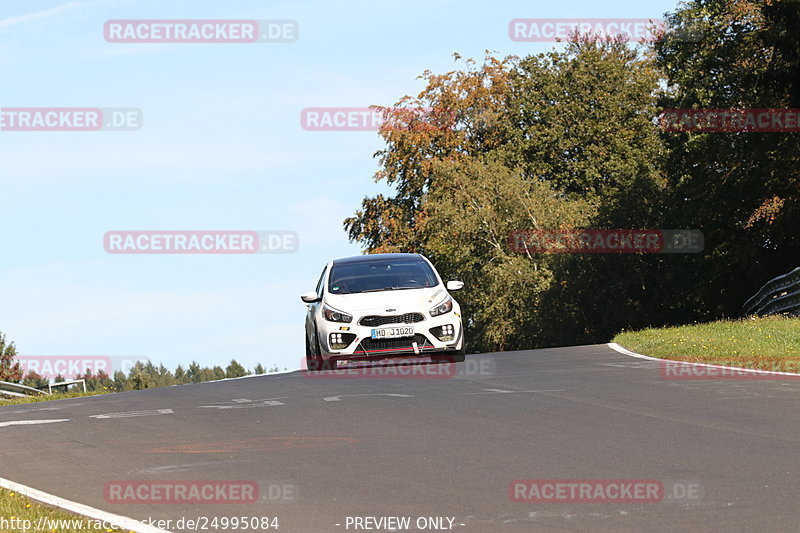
x: 33, y: 379
x: 473, y: 207
x: 585, y: 126
x: 259, y: 369
x: 181, y: 376
x: 742, y: 189
x: 194, y: 372
x: 139, y: 377
x: 464, y: 107
x: 553, y: 141
x: 121, y: 381
x: 583, y: 123
x: 96, y: 382
x: 164, y: 377
x: 10, y: 369
x: 235, y: 370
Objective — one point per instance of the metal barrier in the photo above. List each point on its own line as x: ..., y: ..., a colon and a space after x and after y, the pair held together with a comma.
x: 778, y: 295
x: 16, y: 390
x: 66, y: 385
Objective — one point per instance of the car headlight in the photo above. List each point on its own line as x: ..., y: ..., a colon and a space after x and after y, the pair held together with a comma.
x: 334, y: 315
x: 444, y: 307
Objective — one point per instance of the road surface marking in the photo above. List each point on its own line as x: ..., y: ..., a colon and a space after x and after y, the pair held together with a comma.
x: 132, y: 414
x: 502, y: 391
x: 339, y: 398
x: 124, y: 522
x: 243, y: 403
x: 616, y: 347
x: 31, y: 422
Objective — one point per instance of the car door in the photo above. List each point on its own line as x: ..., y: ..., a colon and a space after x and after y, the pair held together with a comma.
x: 311, y: 311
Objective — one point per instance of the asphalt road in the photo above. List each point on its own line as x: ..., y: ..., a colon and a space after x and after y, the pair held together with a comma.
x: 320, y: 450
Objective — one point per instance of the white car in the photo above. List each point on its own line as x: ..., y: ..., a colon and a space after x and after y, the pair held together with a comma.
x: 379, y: 306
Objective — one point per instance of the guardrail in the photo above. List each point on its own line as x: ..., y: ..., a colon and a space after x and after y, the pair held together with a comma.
x: 778, y: 295
x: 66, y: 385
x: 16, y: 390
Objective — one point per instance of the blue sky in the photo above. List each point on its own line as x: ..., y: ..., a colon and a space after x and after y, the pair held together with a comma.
x: 221, y: 148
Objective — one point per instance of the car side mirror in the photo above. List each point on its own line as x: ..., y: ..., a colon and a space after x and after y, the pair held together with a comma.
x: 310, y: 297
x: 454, y: 285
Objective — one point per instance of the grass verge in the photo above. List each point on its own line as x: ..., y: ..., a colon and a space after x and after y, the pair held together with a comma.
x: 19, y: 513
x: 769, y: 343
x: 47, y: 398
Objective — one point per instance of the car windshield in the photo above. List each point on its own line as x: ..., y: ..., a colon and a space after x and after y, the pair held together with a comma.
x: 381, y: 275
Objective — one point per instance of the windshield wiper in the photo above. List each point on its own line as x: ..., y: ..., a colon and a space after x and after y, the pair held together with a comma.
x: 391, y: 289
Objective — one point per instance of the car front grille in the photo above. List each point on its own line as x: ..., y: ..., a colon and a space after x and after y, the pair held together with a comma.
x: 378, y: 320
x: 369, y: 346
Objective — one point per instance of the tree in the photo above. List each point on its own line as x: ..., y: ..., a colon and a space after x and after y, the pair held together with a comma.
x: 164, y: 377
x: 259, y: 369
x: 9, y: 369
x: 742, y: 189
x: 194, y: 372
x: 235, y: 370
x: 180, y: 375
x: 584, y: 125
x: 464, y: 107
x: 139, y: 378
x: 553, y: 141
x: 97, y: 382
x: 120, y: 381
x: 474, y: 205
x: 33, y: 379
x: 582, y: 121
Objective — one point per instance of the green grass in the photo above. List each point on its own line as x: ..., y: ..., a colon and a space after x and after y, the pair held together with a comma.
x: 46, y: 398
x: 14, y: 506
x: 770, y: 343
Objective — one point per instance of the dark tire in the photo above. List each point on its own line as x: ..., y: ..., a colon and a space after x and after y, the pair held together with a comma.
x: 314, y: 361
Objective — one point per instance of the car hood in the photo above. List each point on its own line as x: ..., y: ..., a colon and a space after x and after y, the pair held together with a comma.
x: 380, y: 302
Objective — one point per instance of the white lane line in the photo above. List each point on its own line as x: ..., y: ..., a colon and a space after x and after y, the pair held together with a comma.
x: 246, y: 404
x: 31, y: 422
x: 620, y: 349
x: 503, y: 391
x: 123, y: 522
x: 131, y: 414
x: 339, y: 398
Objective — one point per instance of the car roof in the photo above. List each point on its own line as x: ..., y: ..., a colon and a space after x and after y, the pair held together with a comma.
x: 373, y: 257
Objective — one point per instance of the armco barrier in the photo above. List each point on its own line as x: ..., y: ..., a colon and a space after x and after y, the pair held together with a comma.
x: 778, y: 295
x: 16, y: 390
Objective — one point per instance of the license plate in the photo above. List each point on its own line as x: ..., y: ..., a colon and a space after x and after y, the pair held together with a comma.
x: 392, y: 333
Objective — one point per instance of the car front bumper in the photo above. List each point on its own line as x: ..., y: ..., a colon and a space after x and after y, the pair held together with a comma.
x: 361, y: 345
